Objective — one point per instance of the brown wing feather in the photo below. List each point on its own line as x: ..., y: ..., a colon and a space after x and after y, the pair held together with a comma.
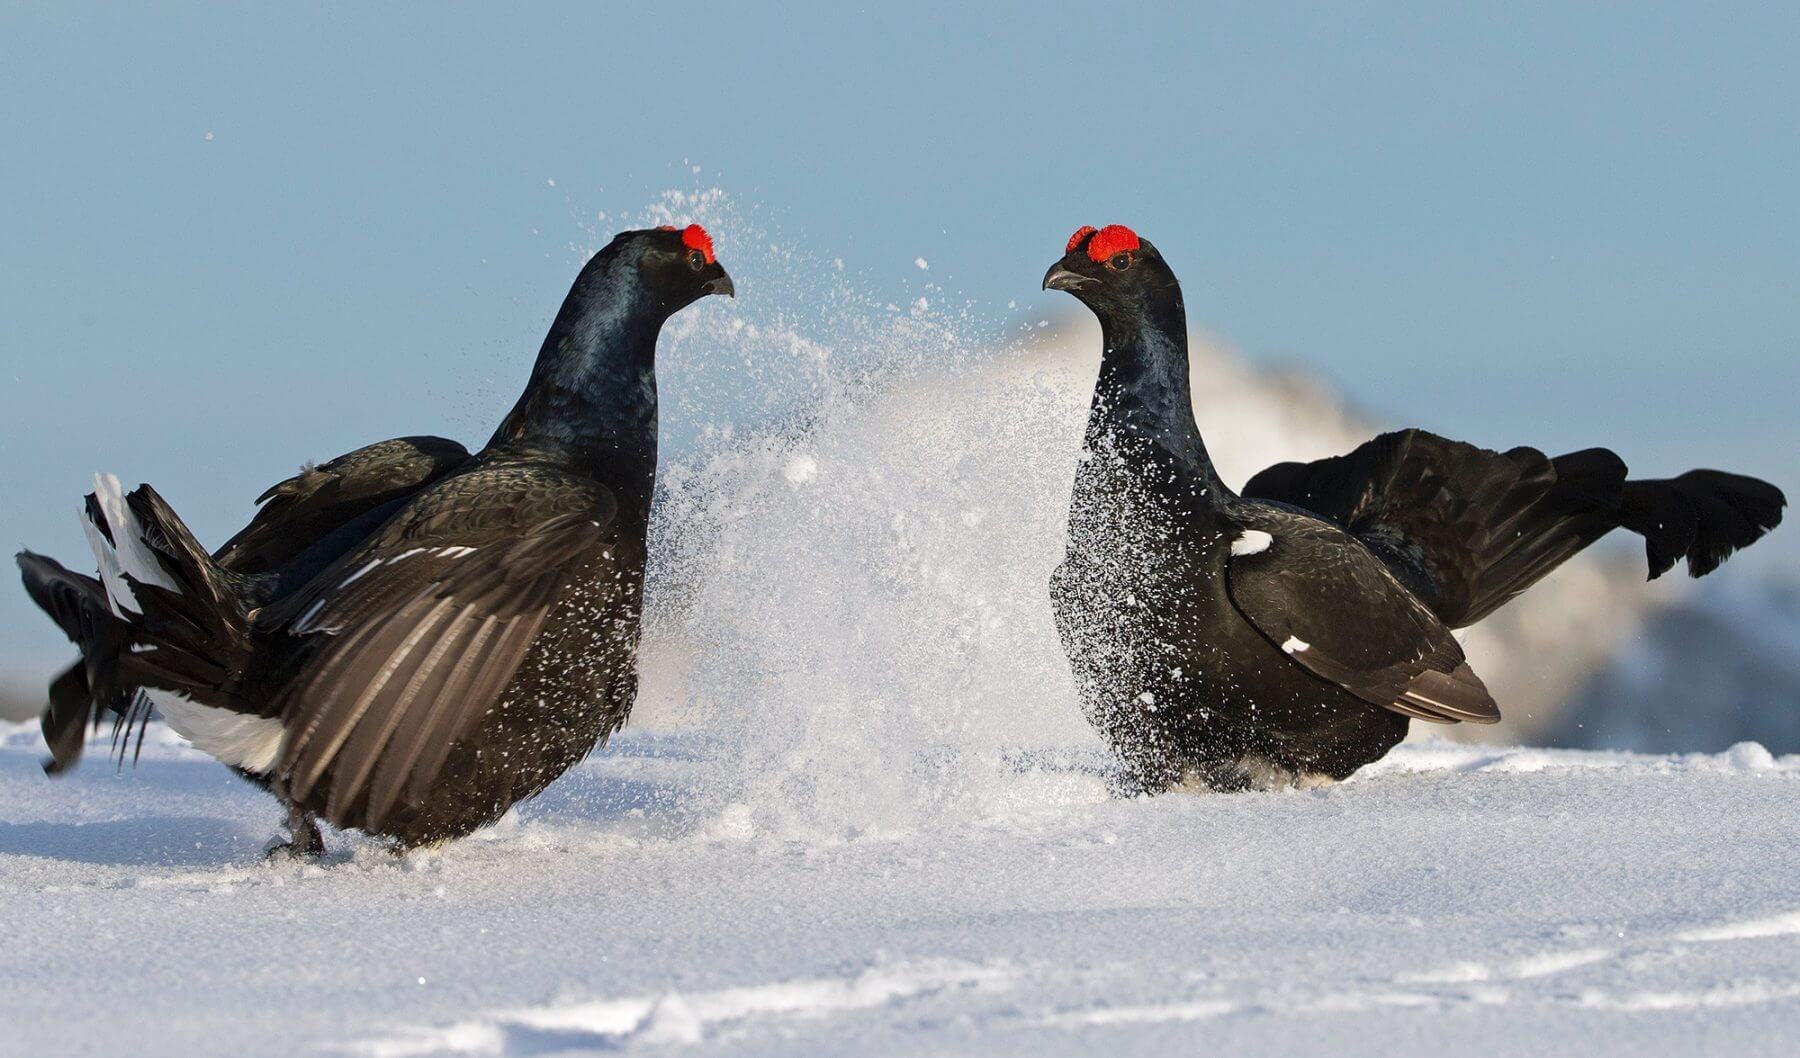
x: 433, y: 720
x: 430, y: 636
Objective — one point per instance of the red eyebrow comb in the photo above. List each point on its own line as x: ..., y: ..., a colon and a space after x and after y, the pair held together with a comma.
x: 694, y: 237
x: 1112, y: 239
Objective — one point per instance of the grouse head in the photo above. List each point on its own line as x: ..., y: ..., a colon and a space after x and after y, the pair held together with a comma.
x: 649, y: 274
x: 1115, y: 273
x: 678, y: 264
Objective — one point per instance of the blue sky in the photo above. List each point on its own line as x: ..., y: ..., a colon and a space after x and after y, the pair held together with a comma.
x: 237, y: 239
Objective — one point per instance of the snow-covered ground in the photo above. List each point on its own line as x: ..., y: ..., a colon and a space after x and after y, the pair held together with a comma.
x: 1452, y: 900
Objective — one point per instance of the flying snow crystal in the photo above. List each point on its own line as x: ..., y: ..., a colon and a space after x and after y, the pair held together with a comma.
x: 209, y: 137
x: 920, y: 262
x: 794, y: 605
x: 800, y: 469
x: 552, y: 183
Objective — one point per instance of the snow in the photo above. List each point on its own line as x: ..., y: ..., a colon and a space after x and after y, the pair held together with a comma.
x: 1453, y: 899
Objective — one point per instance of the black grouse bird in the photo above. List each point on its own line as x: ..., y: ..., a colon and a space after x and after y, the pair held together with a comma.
x: 408, y: 639
x: 1288, y: 634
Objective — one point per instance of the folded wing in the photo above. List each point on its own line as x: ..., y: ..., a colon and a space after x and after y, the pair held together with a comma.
x: 301, y: 511
x: 1335, y: 610
x: 417, y: 636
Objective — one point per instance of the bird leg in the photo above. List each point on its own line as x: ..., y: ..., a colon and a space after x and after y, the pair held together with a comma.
x: 304, y: 841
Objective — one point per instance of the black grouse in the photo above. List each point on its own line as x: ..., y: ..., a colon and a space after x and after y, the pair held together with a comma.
x: 408, y: 639
x: 1288, y: 634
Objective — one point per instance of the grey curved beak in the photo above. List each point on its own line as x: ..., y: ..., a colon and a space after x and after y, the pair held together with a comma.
x: 721, y: 285
x: 1060, y: 278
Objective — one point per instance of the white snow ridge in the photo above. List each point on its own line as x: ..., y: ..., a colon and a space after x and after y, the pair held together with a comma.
x: 674, y: 1018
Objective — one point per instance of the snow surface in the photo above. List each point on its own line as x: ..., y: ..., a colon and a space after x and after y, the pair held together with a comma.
x: 1453, y: 899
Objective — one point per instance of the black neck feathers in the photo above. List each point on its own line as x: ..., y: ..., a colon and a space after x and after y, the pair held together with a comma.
x: 1143, y: 402
x: 591, y: 401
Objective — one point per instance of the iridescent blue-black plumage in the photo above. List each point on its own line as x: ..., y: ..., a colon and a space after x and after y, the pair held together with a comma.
x: 409, y: 639
x: 1291, y: 631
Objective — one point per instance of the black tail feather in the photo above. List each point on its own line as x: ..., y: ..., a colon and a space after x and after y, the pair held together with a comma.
x: 65, y: 595
x: 1702, y: 516
x: 93, y: 686
x: 66, y: 719
x: 1574, y: 506
x: 187, y: 633
x: 1469, y: 528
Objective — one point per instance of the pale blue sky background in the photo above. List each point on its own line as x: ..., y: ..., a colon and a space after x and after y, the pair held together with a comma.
x: 1561, y: 224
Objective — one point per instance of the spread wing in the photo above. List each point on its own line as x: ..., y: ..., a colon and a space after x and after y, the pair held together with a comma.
x: 304, y: 509
x: 1465, y: 528
x: 417, y: 634
x: 1335, y: 610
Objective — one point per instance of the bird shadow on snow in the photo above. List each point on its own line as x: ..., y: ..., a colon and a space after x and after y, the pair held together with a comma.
x: 524, y: 1040
x: 141, y: 817
x: 156, y: 814
x: 642, y: 787
x: 163, y: 841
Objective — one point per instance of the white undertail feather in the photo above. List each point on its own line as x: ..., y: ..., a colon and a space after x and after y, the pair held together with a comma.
x: 248, y: 742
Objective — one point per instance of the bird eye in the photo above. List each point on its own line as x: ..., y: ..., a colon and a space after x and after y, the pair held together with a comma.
x: 696, y: 260
x: 1119, y: 262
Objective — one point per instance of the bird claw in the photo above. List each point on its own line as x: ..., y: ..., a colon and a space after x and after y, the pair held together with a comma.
x: 291, y: 852
x: 304, y: 845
